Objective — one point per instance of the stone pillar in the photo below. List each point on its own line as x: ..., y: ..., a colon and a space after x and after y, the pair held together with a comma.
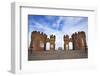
x: 52, y: 42
x: 66, y: 41
x: 74, y: 41
x: 45, y: 41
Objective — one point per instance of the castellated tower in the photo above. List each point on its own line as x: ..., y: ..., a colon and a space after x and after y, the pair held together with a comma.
x: 52, y: 42
x: 79, y: 41
x: 82, y: 40
x: 66, y: 42
x: 38, y: 41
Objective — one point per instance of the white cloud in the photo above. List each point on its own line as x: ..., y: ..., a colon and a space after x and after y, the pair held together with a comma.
x: 57, y: 23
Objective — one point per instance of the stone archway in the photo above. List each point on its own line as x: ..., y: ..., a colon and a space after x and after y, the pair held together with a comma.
x: 47, y: 46
x: 70, y: 44
x: 67, y: 46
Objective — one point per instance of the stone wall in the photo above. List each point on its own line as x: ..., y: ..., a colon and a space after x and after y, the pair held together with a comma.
x: 39, y: 40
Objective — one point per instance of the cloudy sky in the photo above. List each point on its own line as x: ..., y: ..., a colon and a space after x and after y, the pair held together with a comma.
x: 57, y: 25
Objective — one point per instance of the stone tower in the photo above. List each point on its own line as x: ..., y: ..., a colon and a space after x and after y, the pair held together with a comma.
x: 82, y: 40
x: 79, y: 41
x: 52, y: 42
x: 38, y: 41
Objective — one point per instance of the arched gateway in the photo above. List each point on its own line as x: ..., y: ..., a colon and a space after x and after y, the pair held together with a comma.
x: 40, y: 42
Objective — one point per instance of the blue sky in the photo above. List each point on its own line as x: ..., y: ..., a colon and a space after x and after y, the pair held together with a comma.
x: 57, y: 25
